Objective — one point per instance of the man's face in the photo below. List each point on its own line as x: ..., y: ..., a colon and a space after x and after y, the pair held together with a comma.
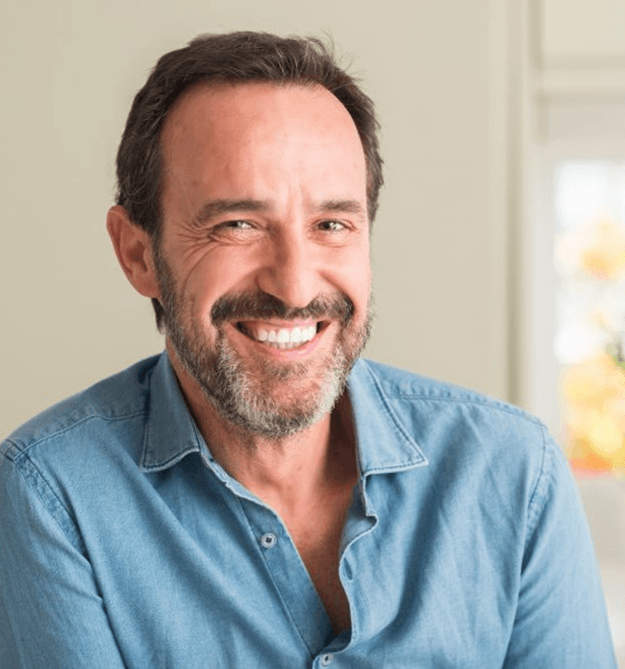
x: 263, y: 261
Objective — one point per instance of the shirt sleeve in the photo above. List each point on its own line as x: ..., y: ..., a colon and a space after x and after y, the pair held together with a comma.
x: 561, y: 620
x: 51, y: 614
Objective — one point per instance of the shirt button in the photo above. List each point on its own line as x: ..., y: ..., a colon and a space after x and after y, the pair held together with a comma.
x: 326, y: 659
x: 268, y: 540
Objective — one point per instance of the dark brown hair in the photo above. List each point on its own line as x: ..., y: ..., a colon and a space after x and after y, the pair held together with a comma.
x: 232, y: 57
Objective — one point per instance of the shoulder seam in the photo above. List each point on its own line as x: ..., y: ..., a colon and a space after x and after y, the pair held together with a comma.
x: 72, y: 536
x: 513, y: 411
x: 22, y: 448
x: 533, y: 506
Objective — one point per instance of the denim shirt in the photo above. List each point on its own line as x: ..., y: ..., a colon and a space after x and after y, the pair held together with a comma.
x: 123, y: 543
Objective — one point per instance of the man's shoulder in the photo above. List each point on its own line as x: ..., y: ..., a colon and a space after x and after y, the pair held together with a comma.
x: 417, y: 399
x: 456, y: 429
x: 121, y: 395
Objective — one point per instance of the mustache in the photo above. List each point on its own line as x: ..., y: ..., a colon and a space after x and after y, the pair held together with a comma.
x: 262, y: 306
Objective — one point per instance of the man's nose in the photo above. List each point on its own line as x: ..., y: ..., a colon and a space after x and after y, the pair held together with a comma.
x: 290, y: 272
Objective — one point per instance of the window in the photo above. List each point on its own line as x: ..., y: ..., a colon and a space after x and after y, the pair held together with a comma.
x: 579, y: 383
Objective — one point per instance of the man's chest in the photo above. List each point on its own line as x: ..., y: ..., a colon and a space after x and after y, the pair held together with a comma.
x: 231, y: 581
x: 317, y: 537
x: 321, y: 559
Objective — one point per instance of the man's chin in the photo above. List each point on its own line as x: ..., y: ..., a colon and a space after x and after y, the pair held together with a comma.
x: 277, y: 400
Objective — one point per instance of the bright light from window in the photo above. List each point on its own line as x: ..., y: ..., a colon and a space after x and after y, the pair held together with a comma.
x: 590, y: 337
x: 582, y: 191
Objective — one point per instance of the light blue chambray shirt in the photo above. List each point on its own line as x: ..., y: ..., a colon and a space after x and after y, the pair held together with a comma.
x: 123, y: 543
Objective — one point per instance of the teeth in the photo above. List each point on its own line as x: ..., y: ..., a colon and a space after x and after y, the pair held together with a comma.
x: 286, y: 338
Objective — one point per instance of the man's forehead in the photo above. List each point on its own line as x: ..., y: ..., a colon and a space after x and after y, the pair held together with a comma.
x: 215, y: 102
x: 231, y: 131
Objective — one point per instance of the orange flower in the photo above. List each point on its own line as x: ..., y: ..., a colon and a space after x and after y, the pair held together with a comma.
x: 595, y: 391
x: 604, y: 255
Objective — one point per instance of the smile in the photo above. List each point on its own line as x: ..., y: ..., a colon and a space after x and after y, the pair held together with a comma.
x: 280, y: 337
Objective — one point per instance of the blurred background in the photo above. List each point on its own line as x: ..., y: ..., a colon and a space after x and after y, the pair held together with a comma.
x: 499, y: 248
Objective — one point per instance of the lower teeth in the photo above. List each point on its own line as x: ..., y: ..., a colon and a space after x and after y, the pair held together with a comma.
x: 285, y: 345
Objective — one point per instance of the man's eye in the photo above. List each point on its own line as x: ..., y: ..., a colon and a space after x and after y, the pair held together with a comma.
x: 234, y: 230
x: 332, y: 226
x: 238, y: 225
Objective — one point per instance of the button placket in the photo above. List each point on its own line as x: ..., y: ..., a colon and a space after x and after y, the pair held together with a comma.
x: 289, y: 575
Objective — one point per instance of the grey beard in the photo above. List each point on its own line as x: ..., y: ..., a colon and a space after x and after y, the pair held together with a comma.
x: 228, y: 386
x: 233, y: 390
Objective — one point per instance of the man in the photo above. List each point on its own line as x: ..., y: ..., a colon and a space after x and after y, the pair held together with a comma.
x: 258, y: 496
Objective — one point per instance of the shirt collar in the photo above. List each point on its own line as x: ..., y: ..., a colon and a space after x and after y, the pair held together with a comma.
x: 384, y: 444
x: 170, y: 432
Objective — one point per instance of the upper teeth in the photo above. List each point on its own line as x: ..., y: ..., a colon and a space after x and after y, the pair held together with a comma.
x: 294, y: 335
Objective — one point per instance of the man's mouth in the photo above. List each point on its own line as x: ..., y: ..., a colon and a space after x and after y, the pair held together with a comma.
x: 282, y: 337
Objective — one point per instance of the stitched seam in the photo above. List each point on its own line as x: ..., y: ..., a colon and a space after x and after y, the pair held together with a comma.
x: 74, y: 425
x: 271, y: 574
x: 37, y: 483
x: 171, y: 461
x: 6, y: 447
x: 392, y: 469
x: 396, y: 423
x: 519, y: 413
x: 541, y: 482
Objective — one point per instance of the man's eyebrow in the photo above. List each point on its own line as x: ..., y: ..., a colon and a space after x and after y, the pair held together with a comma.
x: 218, y: 207
x: 342, y: 206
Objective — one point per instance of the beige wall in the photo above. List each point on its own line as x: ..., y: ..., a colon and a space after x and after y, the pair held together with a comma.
x: 582, y: 32
x: 69, y: 70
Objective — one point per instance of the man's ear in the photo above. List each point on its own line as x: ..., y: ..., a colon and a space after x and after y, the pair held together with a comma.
x: 133, y: 248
